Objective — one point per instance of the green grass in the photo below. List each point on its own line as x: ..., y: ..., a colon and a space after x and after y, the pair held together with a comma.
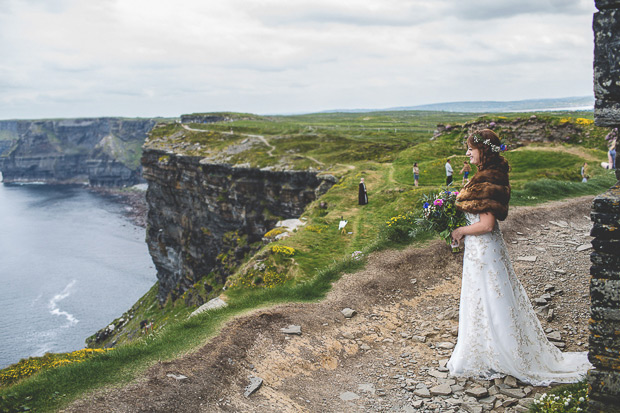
x: 381, y: 147
x: 545, y: 190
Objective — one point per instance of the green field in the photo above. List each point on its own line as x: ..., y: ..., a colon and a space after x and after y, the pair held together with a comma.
x: 379, y: 146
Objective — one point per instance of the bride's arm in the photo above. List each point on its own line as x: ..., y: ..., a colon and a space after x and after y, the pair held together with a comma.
x: 486, y: 224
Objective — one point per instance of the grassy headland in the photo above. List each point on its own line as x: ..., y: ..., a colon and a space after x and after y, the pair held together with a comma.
x: 379, y: 146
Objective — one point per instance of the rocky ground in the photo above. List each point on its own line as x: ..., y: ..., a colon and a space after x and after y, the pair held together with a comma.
x: 388, y: 357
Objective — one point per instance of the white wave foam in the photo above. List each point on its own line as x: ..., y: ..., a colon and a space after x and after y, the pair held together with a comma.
x: 53, y: 304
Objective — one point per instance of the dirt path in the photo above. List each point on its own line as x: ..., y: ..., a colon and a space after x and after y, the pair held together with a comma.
x: 388, y: 356
x: 260, y: 138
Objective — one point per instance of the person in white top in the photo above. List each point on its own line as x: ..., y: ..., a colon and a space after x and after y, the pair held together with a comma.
x: 449, y: 173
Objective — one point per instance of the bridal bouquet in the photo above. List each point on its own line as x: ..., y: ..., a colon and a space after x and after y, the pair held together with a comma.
x: 439, y: 215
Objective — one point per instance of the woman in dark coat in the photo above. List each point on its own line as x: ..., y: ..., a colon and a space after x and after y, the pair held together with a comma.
x: 363, y: 196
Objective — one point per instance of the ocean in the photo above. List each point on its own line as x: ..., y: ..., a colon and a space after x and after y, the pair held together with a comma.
x: 70, y: 263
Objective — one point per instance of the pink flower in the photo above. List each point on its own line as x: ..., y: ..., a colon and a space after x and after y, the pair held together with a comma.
x: 438, y: 202
x: 455, y: 192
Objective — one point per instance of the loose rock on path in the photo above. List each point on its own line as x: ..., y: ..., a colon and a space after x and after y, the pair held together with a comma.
x: 392, y: 355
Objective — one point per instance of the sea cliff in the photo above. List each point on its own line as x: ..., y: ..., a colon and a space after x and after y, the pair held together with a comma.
x: 205, y: 217
x: 96, y: 151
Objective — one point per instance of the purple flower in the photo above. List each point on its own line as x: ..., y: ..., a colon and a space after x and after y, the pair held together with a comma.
x: 426, y: 205
x: 502, y: 147
x: 438, y: 202
x: 455, y: 192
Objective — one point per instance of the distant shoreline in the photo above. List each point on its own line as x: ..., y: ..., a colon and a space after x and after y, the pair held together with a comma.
x: 134, y: 200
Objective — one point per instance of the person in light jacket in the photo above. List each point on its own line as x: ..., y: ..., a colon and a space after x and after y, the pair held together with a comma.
x: 449, y: 173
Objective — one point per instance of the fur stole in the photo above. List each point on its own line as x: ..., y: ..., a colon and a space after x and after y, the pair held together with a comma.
x: 487, y: 191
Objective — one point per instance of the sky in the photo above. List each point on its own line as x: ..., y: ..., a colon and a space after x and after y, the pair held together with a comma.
x: 148, y: 58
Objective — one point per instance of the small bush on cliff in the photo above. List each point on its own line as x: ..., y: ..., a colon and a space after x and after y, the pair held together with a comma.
x: 274, y: 232
x: 283, y: 250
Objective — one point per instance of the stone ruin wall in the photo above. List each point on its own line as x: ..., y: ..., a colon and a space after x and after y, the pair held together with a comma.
x: 604, y: 348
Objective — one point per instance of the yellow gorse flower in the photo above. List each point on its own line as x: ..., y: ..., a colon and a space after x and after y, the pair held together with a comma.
x: 282, y: 250
x: 28, y: 367
x: 584, y: 121
x: 274, y: 232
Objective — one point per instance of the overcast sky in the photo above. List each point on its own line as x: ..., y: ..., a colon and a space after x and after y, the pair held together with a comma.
x: 78, y: 58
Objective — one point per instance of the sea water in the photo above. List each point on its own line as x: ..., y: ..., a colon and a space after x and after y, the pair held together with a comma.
x: 70, y: 263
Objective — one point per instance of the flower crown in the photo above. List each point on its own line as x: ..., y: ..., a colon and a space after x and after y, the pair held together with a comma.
x: 494, y: 148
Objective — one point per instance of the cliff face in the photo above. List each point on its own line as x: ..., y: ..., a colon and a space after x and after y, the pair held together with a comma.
x: 99, y: 151
x: 205, y: 217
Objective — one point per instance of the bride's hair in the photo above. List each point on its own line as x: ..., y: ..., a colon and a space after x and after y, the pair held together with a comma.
x: 489, y: 145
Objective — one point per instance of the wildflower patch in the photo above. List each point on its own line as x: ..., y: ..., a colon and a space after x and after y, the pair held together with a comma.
x: 28, y: 367
x: 283, y: 250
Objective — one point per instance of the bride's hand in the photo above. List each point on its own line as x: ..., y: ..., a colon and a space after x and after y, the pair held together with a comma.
x: 457, y: 235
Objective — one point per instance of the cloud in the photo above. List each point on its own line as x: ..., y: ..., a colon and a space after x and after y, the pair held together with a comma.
x: 150, y: 57
x: 492, y: 9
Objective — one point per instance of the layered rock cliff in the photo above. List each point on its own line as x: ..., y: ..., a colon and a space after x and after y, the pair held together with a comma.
x: 98, y: 151
x: 205, y: 217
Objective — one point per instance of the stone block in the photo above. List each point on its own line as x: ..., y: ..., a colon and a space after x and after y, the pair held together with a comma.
x: 608, y: 201
x: 606, y: 25
x: 610, y: 246
x: 603, y: 231
x: 605, y: 328
x: 604, y: 313
x: 604, y: 259
x: 602, y: 405
x: 606, y: 218
x: 607, y: 4
x: 605, y: 293
x: 604, y: 385
x: 608, y: 346
x: 604, y: 362
x: 609, y: 273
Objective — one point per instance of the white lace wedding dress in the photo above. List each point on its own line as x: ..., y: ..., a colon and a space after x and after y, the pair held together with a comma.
x: 499, y: 333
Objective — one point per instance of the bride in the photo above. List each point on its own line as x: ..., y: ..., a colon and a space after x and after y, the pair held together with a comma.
x: 499, y: 333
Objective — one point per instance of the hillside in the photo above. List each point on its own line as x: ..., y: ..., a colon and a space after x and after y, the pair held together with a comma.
x: 546, y: 151
x: 197, y: 257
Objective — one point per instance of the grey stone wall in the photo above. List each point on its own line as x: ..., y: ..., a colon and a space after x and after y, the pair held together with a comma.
x: 604, y: 349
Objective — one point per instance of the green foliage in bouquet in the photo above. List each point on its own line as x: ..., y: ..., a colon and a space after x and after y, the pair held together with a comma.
x: 439, y: 215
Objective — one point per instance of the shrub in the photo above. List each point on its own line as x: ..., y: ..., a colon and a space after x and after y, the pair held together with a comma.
x: 584, y: 121
x: 274, y: 232
x: 316, y: 228
x: 282, y: 250
x: 397, y: 228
